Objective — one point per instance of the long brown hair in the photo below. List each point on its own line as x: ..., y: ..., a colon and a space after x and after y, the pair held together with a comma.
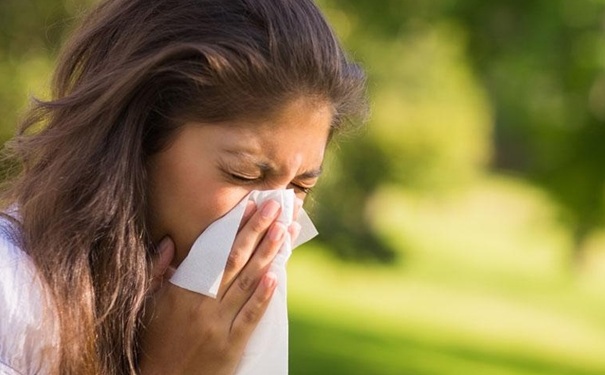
x: 129, y: 76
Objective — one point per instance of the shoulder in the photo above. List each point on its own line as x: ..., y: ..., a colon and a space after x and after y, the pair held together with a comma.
x: 28, y: 334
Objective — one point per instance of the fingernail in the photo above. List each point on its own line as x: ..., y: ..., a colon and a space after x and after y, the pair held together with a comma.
x: 276, y: 232
x: 250, y: 206
x: 270, y: 209
x: 298, y: 207
x: 295, y: 230
x: 270, y: 280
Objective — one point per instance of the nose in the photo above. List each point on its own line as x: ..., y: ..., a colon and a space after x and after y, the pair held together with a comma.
x: 280, y: 184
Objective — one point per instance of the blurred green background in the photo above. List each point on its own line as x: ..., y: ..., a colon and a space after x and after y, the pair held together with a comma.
x: 462, y: 229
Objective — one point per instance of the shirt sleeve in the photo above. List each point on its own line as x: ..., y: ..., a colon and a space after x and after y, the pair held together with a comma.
x: 7, y: 370
x: 28, y: 333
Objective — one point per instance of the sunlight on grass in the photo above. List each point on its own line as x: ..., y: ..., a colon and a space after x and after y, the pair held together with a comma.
x: 482, y: 288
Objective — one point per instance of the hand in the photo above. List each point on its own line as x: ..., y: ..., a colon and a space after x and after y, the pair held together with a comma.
x: 161, y: 269
x: 189, y: 333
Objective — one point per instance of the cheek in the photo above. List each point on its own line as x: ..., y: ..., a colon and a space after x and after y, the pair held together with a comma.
x: 218, y: 202
x: 196, y: 212
x: 185, y: 198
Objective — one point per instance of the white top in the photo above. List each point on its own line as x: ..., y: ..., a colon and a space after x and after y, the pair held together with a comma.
x: 28, y: 329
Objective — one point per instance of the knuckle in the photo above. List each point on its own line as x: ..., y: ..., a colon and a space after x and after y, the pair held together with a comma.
x: 245, y: 283
x: 267, y: 250
x: 250, y: 316
x: 211, y: 333
x: 258, y: 226
x: 211, y: 330
x: 266, y: 253
x: 235, y: 260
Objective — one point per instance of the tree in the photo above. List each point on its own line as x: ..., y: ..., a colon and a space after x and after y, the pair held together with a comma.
x: 430, y: 128
x: 542, y: 62
x: 30, y: 31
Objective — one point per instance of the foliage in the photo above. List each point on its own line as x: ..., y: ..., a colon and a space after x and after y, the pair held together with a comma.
x: 430, y: 129
x: 543, y: 64
x: 538, y: 63
x: 30, y: 32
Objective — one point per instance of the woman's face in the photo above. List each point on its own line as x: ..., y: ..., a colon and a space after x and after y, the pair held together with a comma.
x: 208, y: 168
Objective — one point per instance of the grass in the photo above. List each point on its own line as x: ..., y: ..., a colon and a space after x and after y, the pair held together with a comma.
x: 482, y: 287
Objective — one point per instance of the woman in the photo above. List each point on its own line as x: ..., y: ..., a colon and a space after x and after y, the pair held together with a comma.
x: 164, y: 115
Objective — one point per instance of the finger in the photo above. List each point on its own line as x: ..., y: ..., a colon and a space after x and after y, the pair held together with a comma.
x: 246, y: 282
x: 169, y: 272
x: 247, y: 240
x: 250, y: 314
x: 248, y: 212
x: 297, y: 207
x: 294, y: 231
x: 161, y: 262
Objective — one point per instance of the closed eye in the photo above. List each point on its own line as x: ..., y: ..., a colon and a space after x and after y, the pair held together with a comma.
x: 302, y: 189
x: 242, y: 178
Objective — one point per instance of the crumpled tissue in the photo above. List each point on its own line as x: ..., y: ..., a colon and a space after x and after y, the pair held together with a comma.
x: 202, y: 271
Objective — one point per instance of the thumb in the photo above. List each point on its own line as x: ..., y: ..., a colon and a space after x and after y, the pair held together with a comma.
x: 161, y: 269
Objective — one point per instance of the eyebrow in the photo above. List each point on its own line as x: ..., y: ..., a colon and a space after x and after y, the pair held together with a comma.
x: 268, y: 167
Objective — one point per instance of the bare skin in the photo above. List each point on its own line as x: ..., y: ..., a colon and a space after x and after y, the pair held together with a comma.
x: 200, y: 177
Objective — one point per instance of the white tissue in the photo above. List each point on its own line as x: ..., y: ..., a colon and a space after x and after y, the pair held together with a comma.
x: 203, y: 268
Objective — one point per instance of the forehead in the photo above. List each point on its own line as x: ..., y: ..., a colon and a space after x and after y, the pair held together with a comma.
x: 303, y: 120
x: 297, y: 134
